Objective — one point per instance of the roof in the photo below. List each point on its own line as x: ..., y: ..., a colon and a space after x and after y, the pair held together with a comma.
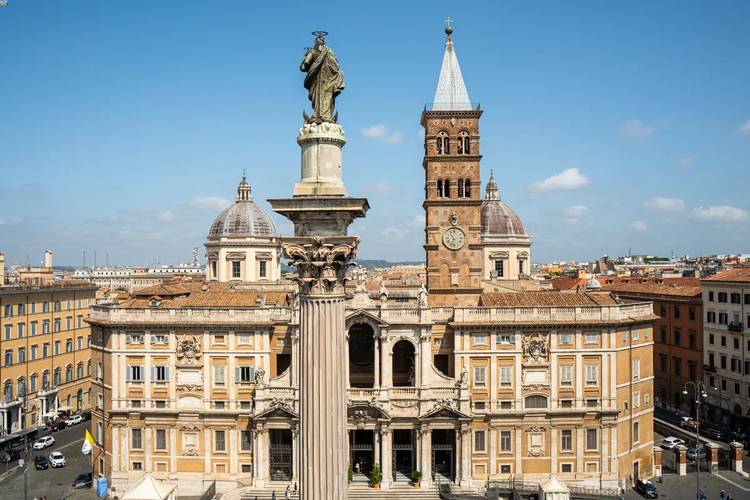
x: 498, y: 219
x: 736, y: 274
x: 451, y: 94
x: 149, y: 489
x: 653, y: 289
x: 565, y: 283
x: 546, y: 299
x: 243, y: 218
x: 191, y: 295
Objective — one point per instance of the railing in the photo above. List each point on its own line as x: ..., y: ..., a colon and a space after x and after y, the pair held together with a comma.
x: 190, y: 315
x: 404, y: 393
x: 592, y: 492
x: 734, y: 327
x: 552, y: 314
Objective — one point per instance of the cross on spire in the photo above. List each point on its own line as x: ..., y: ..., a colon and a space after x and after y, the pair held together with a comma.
x: 449, y: 26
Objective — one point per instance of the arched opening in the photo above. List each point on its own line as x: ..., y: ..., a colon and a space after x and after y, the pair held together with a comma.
x: 442, y: 144
x: 536, y: 402
x: 447, y: 188
x: 464, y: 145
x: 440, y: 188
x: 361, y: 356
x: 467, y: 188
x: 460, y: 188
x: 404, y: 374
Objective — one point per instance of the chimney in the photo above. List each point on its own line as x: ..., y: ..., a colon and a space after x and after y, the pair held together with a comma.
x: 48, y: 259
x: 2, y: 269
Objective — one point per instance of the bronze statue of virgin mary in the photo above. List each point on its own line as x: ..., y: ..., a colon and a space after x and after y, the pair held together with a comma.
x: 324, y: 79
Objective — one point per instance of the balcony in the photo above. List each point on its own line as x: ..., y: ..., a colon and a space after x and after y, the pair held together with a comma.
x: 709, y: 368
x: 735, y: 327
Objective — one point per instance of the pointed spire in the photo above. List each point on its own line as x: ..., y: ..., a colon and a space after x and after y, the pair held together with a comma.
x: 451, y: 94
x: 492, y: 193
x: 243, y: 190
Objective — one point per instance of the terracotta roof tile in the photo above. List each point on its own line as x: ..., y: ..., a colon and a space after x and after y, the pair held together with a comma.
x: 653, y: 289
x: 191, y: 295
x: 546, y: 299
x: 736, y: 274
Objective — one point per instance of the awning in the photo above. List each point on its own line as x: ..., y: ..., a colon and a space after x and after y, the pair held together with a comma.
x: 149, y: 489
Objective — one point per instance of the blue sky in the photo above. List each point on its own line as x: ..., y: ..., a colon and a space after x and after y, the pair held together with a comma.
x: 126, y: 125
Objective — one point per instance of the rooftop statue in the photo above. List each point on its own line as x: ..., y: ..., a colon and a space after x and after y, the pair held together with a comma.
x: 324, y: 80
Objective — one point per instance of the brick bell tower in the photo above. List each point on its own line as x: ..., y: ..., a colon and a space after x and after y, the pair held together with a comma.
x: 452, y: 188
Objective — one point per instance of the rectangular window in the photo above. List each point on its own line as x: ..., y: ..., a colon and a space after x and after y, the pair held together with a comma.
x: 246, y: 441
x: 21, y: 309
x: 722, y: 296
x: 68, y: 322
x: 219, y: 375
x: 45, y: 306
x: 137, y: 466
x: 735, y: 298
x: 161, y: 373
x: 636, y: 369
x: 637, y: 399
x: 691, y: 340
x: 505, y: 339
x: 479, y: 376
x: 135, y: 373
x: 159, y: 339
x: 566, y: 440
x: 220, y: 442
x: 677, y: 311
x: 710, y: 317
x: 79, y: 321
x: 479, y: 441
x: 592, y: 439
x: 100, y: 434
x: 8, y: 332
x: 723, y: 318
x: 567, y: 467
x: 262, y: 268
x: 236, y: 269
x: 34, y: 325
x: 21, y: 330
x: 566, y: 375
x: 591, y: 338
x: 135, y: 439
x: 134, y: 338
x: 710, y: 296
x: 635, y: 334
x: 499, y: 268
x: 33, y: 352
x: 8, y: 311
x: 566, y: 339
x: 677, y: 336
x: 506, y: 376
x: 480, y: 339
x: 663, y: 334
x: 662, y: 362
x: 8, y: 357
x: 505, y: 441
x: 592, y: 374
x: 21, y: 355
x: 69, y: 345
x: 244, y: 339
x: 723, y: 341
x: 677, y: 366
x: 505, y: 469
x: 45, y: 326
x: 161, y: 439
x: 245, y: 374
x: 636, y: 432
x: 45, y: 350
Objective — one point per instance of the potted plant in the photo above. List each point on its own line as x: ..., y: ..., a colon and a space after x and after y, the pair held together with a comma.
x: 375, y: 476
x: 416, y: 478
x: 350, y: 473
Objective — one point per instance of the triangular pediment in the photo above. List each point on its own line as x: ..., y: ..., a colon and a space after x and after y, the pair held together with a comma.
x: 444, y: 412
x: 277, y: 411
x: 373, y: 411
x: 364, y: 316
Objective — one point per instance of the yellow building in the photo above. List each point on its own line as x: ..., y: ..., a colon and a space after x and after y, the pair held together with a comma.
x: 44, y: 341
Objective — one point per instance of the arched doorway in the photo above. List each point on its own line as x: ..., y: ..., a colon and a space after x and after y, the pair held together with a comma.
x: 361, y: 356
x: 404, y: 374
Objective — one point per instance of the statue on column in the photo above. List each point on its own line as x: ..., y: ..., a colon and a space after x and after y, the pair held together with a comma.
x: 324, y: 80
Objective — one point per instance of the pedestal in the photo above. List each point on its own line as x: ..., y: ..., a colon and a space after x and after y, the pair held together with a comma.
x: 321, y: 145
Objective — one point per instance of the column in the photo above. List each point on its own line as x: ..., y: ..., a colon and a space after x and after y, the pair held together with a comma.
x: 376, y: 342
x: 172, y: 449
x: 386, y: 364
x: 260, y: 452
x: 207, y: 451
x: 233, y: 448
x: 465, y: 457
x: 657, y: 463
x: 386, y: 456
x: 147, y: 448
x: 426, y: 455
x: 554, y: 438
x: 681, y: 459
x: 295, y: 454
x: 713, y: 457
x: 737, y: 454
x: 492, y: 450
x: 376, y: 446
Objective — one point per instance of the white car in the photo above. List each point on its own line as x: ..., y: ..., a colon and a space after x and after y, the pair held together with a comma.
x: 56, y: 459
x: 75, y: 419
x: 670, y: 442
x: 44, y: 442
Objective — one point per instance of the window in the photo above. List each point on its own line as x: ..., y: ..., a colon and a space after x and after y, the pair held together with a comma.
x: 591, y: 338
x: 57, y: 347
x: 735, y: 298
x: 536, y: 402
x: 691, y: 340
x: 505, y: 441
x: 219, y: 375
x: 32, y: 383
x: 9, y: 357
x: 505, y: 469
x: 45, y: 326
x: 79, y: 321
x: 479, y: 441
x: 79, y: 370
x: 723, y: 362
x: 236, y: 269
x: 34, y: 325
x: 506, y: 376
x: 21, y: 354
x: 710, y: 317
x: 566, y: 375
x: 68, y: 322
x: 134, y: 338
x: 8, y: 332
x: 161, y: 373
x: 479, y: 376
x: 636, y: 369
x: 161, y: 439
x: 677, y: 311
x: 68, y: 373
x: 592, y: 441
x: 662, y: 362
x: 135, y: 373
x: 447, y: 188
x: 747, y: 298
x: 692, y: 368
x: 135, y: 439
x: 566, y: 339
x: 246, y: 440
x: 21, y: 330
x: 33, y: 353
x: 443, y: 147
x: 499, y: 267
x: 737, y: 343
x: 723, y: 341
x: 711, y: 338
x: 710, y: 296
x: 464, y: 146
x: 691, y: 313
x: 677, y: 336
x: 219, y: 441
x: 262, y: 268
x: 100, y: 401
x: 99, y: 370
x: 736, y: 388
x: 45, y: 350
x: 440, y: 188
x: 636, y: 432
x: 159, y: 339
x: 722, y: 296
x: 245, y: 374
x: 592, y: 374
x: 566, y: 440
x: 244, y: 339
x: 57, y: 306
x: 505, y: 339
x: 100, y: 438
x: 56, y: 378
x: 8, y: 310
x: 566, y: 403
x: 480, y: 339
x: 69, y: 345
x: 567, y: 467
x: 637, y: 399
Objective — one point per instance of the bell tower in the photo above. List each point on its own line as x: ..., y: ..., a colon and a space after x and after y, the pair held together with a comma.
x: 452, y: 201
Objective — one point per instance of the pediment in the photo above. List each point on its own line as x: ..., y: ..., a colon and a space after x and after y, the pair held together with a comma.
x: 277, y: 412
x: 444, y: 412
x: 363, y: 316
x: 372, y: 411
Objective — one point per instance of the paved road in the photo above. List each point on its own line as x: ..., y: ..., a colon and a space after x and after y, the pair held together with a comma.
x: 52, y: 483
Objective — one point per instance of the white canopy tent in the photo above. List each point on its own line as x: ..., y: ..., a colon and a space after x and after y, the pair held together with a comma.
x: 149, y: 489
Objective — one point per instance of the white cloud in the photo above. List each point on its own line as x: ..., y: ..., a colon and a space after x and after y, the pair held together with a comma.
x: 566, y: 180
x: 577, y: 211
x: 721, y: 213
x: 165, y: 216
x: 670, y: 205
x: 381, y: 133
x: 635, y: 129
x: 686, y: 162
x: 639, y: 225
x: 212, y: 202
x: 744, y: 129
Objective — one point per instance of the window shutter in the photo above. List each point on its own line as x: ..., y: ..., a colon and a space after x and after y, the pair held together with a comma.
x: 127, y: 374
x: 166, y: 372
x: 252, y: 373
x: 153, y: 373
x: 237, y: 375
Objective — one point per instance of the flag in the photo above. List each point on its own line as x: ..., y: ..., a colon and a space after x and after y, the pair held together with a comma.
x: 88, y: 443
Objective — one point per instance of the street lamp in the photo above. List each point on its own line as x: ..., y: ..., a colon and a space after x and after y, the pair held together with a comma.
x: 699, y: 390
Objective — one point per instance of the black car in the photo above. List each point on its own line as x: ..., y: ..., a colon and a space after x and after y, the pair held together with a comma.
x: 646, y: 488
x: 711, y: 432
x: 8, y: 456
x: 83, y: 481
x: 41, y: 462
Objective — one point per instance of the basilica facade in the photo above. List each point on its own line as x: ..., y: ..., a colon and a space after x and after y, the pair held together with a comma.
x: 476, y: 375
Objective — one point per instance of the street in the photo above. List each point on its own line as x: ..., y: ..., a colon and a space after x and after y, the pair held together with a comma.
x: 52, y: 483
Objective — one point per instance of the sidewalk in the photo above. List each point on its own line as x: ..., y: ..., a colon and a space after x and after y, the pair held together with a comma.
x: 683, y: 487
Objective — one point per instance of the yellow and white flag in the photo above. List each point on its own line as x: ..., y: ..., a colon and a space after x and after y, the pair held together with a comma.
x: 88, y: 443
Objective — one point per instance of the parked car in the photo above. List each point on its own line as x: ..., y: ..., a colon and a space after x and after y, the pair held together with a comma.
x: 646, y: 488
x: 41, y: 463
x: 75, y: 419
x: 83, y: 481
x: 692, y: 453
x: 57, y: 425
x: 7, y: 456
x: 670, y: 442
x: 56, y: 459
x: 44, y: 442
x: 689, y: 423
x: 712, y: 432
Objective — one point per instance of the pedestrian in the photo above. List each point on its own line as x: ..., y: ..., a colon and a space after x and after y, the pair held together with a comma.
x: 288, y: 493
x: 722, y: 495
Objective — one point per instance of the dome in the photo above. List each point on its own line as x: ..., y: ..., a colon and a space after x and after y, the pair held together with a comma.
x: 497, y: 218
x: 243, y: 218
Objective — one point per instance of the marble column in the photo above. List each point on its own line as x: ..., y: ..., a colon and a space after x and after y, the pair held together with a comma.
x: 376, y: 341
x: 466, y: 456
x: 387, y: 456
x: 426, y: 457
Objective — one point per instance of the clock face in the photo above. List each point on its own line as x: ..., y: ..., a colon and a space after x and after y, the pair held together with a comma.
x: 454, y: 238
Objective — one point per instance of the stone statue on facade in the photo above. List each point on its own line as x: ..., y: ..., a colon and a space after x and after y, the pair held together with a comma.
x: 324, y: 80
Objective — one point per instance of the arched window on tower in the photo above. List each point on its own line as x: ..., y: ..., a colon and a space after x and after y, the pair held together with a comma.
x: 442, y: 143
x: 464, y: 145
x: 467, y: 188
x: 460, y: 188
x: 440, y: 188
x: 447, y: 188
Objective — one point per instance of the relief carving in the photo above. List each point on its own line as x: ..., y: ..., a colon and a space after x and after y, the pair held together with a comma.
x: 322, y: 266
x: 188, y: 349
x: 535, y: 347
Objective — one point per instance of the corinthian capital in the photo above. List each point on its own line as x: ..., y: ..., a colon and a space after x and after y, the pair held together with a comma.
x: 321, y: 262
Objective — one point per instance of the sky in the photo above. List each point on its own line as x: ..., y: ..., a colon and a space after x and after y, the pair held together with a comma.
x: 609, y: 126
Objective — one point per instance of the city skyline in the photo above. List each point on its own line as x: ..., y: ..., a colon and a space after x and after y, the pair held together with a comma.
x: 595, y: 162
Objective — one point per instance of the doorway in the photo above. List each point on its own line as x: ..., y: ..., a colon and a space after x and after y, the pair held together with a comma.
x: 361, y: 452
x: 443, y: 454
x: 280, y: 454
x: 404, y: 460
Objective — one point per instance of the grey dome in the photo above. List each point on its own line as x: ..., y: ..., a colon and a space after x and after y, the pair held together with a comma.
x: 243, y: 218
x: 497, y: 218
